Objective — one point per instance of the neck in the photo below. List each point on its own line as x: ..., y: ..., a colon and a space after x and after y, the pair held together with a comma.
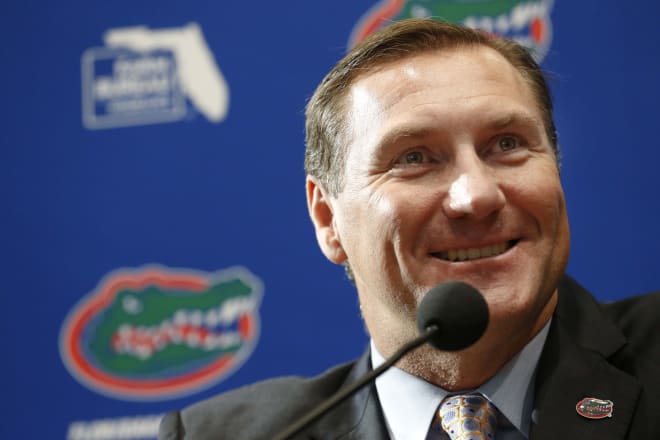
x: 468, y: 369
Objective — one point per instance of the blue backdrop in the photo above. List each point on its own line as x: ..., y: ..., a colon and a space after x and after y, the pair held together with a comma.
x: 178, y: 146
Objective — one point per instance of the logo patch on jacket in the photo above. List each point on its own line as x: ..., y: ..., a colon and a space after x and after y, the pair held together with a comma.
x: 593, y: 408
x: 155, y: 333
x: 525, y: 21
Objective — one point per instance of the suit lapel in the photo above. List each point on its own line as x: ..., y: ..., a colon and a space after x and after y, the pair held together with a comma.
x: 574, y: 365
x: 359, y: 417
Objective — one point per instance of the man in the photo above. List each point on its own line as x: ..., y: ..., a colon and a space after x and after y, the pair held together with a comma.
x: 432, y: 156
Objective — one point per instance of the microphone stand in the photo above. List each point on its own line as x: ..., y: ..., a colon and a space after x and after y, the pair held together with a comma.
x: 342, y: 394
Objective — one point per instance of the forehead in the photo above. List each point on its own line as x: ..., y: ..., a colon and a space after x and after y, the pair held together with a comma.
x: 432, y: 84
x: 480, y: 62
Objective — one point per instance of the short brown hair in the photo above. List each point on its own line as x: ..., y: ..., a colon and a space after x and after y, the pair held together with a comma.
x: 326, y: 136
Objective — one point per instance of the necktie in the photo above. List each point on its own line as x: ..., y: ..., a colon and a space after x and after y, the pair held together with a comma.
x: 468, y: 417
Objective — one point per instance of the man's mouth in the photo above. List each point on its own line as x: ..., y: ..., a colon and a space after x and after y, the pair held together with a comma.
x: 469, y: 254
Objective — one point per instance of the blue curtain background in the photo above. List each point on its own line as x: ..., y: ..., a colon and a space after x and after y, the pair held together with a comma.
x: 79, y: 203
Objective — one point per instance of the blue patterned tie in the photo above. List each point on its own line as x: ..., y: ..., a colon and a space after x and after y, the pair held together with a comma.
x: 467, y: 417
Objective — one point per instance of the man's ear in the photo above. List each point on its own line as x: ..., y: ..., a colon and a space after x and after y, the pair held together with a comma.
x: 322, y: 215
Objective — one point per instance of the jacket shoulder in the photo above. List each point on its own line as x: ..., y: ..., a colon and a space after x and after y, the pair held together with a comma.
x: 638, y: 318
x: 256, y: 410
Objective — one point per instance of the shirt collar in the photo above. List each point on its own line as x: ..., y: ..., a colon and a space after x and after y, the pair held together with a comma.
x: 409, y: 403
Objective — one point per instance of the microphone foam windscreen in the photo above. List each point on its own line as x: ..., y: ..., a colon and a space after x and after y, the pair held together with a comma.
x: 459, y: 310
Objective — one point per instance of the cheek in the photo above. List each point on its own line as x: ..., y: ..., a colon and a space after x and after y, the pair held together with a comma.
x: 563, y: 235
x: 550, y: 209
x: 404, y: 211
x: 541, y: 201
x: 539, y: 193
x: 379, y: 224
x: 365, y: 222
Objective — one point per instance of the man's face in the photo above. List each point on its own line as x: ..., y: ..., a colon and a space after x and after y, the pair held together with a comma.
x: 449, y: 176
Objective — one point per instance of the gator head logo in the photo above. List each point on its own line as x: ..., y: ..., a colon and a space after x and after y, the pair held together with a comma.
x: 156, y: 333
x: 526, y: 21
x: 593, y: 408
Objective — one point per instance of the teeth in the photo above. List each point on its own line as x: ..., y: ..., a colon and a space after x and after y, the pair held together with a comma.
x: 211, y: 319
x: 515, y: 20
x: 194, y: 328
x: 474, y: 253
x: 225, y: 314
x: 195, y: 318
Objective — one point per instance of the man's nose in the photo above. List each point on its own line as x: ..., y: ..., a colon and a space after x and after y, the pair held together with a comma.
x: 474, y: 191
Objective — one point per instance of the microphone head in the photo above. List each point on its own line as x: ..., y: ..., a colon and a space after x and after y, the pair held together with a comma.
x: 460, y: 312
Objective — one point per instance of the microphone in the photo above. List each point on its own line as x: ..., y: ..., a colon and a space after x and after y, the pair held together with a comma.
x: 452, y: 316
x: 458, y: 310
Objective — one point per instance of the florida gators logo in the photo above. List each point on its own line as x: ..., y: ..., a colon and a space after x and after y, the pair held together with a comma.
x: 155, y: 333
x: 592, y: 408
x: 526, y: 21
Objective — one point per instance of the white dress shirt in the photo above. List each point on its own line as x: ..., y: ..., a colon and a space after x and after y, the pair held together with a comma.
x: 409, y: 403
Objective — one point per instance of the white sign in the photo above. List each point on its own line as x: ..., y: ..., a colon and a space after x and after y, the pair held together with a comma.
x: 145, y: 76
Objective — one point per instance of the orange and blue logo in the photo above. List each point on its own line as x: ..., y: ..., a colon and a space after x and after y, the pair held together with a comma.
x: 526, y: 21
x: 592, y: 408
x: 156, y: 333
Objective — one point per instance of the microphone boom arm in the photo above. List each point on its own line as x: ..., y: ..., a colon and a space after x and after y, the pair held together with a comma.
x: 342, y: 394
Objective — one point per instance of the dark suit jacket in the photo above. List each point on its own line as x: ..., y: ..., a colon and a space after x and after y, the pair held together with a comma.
x: 608, y: 351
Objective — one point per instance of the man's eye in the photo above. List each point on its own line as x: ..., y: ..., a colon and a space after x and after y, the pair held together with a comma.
x: 413, y: 157
x: 506, y: 143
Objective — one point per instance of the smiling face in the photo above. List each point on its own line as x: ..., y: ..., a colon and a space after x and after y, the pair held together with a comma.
x: 449, y: 176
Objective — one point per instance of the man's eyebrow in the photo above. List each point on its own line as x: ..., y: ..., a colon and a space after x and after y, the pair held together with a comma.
x: 512, y: 119
x: 404, y: 132
x: 497, y: 122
